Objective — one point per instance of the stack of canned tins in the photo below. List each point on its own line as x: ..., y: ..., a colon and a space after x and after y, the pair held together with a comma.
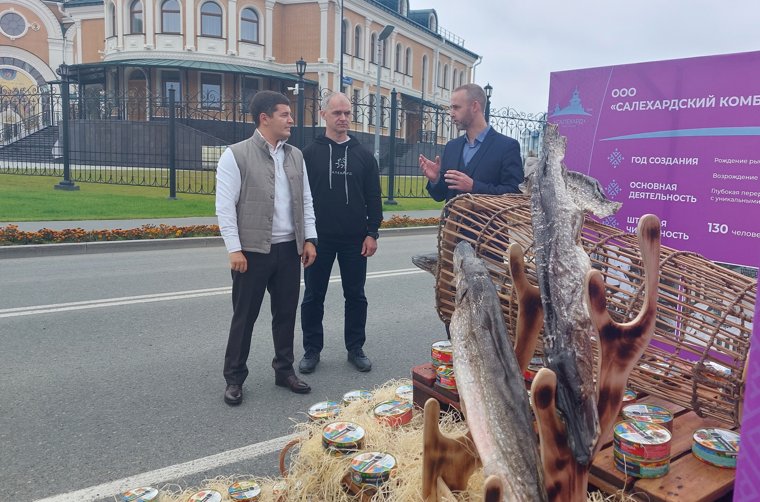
x: 641, y: 449
x: 718, y: 447
x: 443, y: 360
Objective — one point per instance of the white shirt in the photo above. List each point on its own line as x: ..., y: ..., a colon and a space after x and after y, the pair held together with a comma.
x: 228, y: 184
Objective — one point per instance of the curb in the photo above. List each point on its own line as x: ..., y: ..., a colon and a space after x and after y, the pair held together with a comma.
x: 76, y: 248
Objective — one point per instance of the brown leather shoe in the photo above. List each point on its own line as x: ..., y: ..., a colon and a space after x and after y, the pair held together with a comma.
x: 233, y: 394
x: 293, y: 383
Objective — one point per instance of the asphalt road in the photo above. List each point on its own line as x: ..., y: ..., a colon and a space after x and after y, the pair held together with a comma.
x: 112, y: 365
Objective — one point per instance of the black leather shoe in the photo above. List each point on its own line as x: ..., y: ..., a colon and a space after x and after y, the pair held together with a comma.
x: 309, y: 362
x: 293, y: 383
x: 233, y: 394
x: 359, y: 359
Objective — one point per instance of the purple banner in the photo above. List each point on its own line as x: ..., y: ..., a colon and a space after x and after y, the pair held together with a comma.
x: 680, y: 139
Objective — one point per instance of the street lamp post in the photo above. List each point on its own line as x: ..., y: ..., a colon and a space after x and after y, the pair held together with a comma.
x: 488, y: 90
x: 380, y: 39
x: 65, y: 183
x: 343, y: 36
x: 300, y: 70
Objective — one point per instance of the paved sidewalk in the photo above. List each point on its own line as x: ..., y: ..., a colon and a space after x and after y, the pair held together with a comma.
x: 38, y: 250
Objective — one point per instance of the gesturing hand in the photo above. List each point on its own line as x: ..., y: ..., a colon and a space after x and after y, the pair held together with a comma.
x: 430, y: 168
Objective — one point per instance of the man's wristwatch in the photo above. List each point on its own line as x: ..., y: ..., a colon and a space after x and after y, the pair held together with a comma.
x: 374, y: 235
x: 313, y: 240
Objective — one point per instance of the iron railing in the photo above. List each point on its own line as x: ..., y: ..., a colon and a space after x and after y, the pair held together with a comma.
x: 142, y: 139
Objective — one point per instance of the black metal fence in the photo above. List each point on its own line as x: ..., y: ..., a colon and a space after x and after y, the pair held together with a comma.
x: 150, y: 140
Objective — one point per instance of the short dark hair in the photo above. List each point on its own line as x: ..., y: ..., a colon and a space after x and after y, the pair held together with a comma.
x: 474, y: 93
x: 266, y: 102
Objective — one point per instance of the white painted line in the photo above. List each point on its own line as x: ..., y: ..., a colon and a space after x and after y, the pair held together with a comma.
x: 160, y: 297
x: 159, y: 476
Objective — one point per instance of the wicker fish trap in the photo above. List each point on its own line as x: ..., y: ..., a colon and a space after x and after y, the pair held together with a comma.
x: 698, y: 354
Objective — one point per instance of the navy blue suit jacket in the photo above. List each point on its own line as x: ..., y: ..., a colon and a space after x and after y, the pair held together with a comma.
x: 495, y: 169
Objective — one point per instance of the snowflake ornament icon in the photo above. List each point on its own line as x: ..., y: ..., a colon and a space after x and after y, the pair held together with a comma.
x: 613, y: 189
x: 611, y: 221
x: 616, y: 158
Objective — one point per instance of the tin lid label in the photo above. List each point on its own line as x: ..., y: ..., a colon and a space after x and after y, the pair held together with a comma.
x: 373, y: 462
x: 142, y: 494
x: 244, y: 490
x: 206, y: 496
x: 342, y: 433
x: 357, y: 395
x: 324, y: 409
x: 405, y: 392
x: 642, y: 433
x: 720, y: 441
x: 647, y: 413
x: 393, y: 408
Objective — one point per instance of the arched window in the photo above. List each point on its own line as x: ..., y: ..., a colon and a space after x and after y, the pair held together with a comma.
x: 424, y: 73
x: 373, y: 48
x: 408, y: 61
x: 454, y: 78
x: 171, y: 21
x: 358, y: 52
x: 112, y: 19
x: 249, y: 26
x: 344, y: 36
x: 136, y: 17
x: 461, y: 78
x: 211, y: 20
x: 445, y: 76
x: 397, y: 63
x: 433, y: 23
x: 385, y: 53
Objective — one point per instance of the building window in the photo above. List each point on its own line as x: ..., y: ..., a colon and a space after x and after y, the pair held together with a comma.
x: 249, y: 26
x: 112, y: 19
x: 373, y: 48
x: 170, y: 17
x: 385, y: 53
x: 169, y: 81
x: 250, y: 88
x: 12, y: 24
x: 461, y: 78
x: 397, y: 62
x: 445, y: 76
x: 383, y: 105
x: 344, y: 36
x: 358, y: 42
x: 454, y: 78
x: 211, y: 91
x: 371, y: 109
x: 424, y: 74
x: 211, y: 20
x: 408, y: 61
x: 136, y: 17
x: 355, y: 105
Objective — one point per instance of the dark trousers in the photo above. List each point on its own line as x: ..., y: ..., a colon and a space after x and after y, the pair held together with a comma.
x: 278, y: 272
x: 353, y: 275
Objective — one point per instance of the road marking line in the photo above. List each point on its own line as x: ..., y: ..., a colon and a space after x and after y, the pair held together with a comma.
x: 160, y: 297
x: 114, y: 488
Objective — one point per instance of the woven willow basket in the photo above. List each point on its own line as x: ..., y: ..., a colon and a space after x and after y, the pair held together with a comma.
x: 698, y: 354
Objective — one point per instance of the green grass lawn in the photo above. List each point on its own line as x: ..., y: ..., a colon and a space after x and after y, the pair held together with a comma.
x: 33, y: 198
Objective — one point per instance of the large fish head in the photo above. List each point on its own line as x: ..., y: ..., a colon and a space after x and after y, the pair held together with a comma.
x: 580, y: 413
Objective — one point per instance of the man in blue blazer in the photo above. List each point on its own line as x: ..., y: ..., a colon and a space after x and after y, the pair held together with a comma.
x: 481, y: 161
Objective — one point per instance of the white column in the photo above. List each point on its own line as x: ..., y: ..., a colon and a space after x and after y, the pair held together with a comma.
x: 78, y: 25
x: 336, y: 53
x: 437, y: 69
x: 150, y: 23
x: 120, y: 25
x: 190, y: 25
x: 269, y: 22
x: 323, y: 5
x: 232, y: 23
x: 392, y: 59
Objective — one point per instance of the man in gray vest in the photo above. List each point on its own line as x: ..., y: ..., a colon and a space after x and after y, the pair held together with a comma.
x: 266, y: 218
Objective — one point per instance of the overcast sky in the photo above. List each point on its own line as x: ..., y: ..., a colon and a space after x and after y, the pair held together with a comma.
x: 522, y: 42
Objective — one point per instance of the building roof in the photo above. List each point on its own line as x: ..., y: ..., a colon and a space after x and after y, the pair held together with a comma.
x: 191, y: 65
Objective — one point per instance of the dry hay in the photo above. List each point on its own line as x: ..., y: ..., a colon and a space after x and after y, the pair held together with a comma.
x: 315, y: 476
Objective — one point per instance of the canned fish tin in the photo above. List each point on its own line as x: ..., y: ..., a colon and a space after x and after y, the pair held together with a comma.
x: 394, y: 413
x: 641, y: 440
x: 405, y: 392
x: 639, y: 469
x: 142, y: 494
x: 356, y: 395
x: 442, y: 353
x: 535, y: 364
x: 324, y: 410
x: 372, y: 468
x: 205, y: 496
x: 649, y: 413
x: 719, y: 447
x: 629, y: 396
x: 244, y: 491
x: 444, y: 376
x: 342, y: 438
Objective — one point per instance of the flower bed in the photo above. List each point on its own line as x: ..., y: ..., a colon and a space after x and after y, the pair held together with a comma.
x: 11, y: 235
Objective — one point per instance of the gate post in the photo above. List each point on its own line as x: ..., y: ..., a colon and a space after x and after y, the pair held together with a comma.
x: 65, y: 183
x: 172, y: 147
x: 392, y: 149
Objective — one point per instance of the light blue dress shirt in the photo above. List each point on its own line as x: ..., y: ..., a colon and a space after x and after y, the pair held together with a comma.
x: 469, y: 150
